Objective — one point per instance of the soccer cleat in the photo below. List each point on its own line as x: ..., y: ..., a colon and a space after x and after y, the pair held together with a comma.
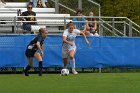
x: 26, y: 73
x: 74, y: 71
x: 40, y: 73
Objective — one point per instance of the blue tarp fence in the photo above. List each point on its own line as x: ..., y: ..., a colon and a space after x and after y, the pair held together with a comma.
x: 103, y: 51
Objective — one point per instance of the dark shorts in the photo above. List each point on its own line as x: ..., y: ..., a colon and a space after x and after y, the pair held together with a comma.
x: 30, y: 53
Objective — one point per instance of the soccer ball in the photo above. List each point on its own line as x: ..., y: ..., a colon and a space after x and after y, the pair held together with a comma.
x: 64, y: 72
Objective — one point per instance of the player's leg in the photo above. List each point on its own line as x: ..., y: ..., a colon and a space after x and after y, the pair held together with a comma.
x: 39, y: 59
x: 72, y: 61
x: 65, y: 57
x: 29, y: 66
x: 29, y: 54
x: 65, y: 62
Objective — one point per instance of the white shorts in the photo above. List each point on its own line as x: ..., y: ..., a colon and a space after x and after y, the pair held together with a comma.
x: 65, y: 53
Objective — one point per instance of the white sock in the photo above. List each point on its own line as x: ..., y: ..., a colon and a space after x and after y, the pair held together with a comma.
x: 72, y: 62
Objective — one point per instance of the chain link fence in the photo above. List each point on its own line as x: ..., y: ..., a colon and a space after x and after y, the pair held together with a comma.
x: 106, y: 26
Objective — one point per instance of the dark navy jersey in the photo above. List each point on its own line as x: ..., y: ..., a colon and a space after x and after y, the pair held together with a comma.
x: 32, y: 45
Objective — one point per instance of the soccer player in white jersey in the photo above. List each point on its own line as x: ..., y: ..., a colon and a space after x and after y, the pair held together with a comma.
x: 69, y: 47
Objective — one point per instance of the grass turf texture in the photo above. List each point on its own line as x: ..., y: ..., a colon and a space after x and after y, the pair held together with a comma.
x: 81, y: 83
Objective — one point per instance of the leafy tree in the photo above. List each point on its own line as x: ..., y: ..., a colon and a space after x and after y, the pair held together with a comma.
x: 126, y: 8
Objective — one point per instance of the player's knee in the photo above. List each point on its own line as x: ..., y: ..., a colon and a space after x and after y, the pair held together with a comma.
x: 71, y: 57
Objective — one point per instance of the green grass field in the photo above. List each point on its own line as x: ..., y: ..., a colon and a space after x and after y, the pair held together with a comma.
x: 81, y: 83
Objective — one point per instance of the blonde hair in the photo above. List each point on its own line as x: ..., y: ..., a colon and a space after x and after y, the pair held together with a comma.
x: 70, y: 24
x: 41, y: 30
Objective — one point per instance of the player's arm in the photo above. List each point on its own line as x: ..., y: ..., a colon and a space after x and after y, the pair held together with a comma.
x: 40, y: 48
x: 81, y: 33
x: 85, y: 27
x: 66, y: 41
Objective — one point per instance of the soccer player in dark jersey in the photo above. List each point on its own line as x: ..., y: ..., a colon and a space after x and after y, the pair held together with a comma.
x: 35, y: 50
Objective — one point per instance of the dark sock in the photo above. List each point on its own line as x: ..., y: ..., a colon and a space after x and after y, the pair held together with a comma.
x: 26, y: 70
x: 40, y: 68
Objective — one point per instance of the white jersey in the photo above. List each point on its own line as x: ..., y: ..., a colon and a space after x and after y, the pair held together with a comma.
x: 70, y: 37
